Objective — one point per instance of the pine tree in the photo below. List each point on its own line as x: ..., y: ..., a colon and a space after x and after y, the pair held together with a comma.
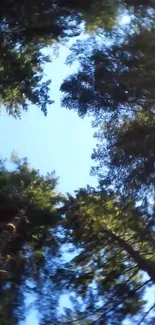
x: 114, y: 245
x: 28, y: 222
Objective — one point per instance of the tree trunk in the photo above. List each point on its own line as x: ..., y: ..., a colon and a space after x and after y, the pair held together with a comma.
x: 9, y: 231
x: 143, y: 264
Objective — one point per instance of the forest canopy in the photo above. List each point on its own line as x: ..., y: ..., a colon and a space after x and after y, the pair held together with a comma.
x: 27, y: 27
x: 95, y: 245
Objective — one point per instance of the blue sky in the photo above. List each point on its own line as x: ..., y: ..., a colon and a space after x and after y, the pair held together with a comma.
x: 60, y: 141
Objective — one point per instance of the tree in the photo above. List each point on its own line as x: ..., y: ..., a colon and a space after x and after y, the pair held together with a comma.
x: 112, y: 228
x: 114, y: 244
x: 115, y: 84
x: 128, y: 155
x: 28, y: 222
x: 110, y: 77
x: 127, y: 137
x: 27, y: 27
x: 105, y: 14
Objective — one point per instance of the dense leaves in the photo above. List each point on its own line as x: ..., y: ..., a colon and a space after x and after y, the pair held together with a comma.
x: 28, y: 220
x: 115, y: 84
x: 113, y: 78
x: 113, y: 228
x: 26, y: 27
x: 114, y: 241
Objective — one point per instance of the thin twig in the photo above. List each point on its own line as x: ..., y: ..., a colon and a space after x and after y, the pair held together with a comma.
x: 147, y: 312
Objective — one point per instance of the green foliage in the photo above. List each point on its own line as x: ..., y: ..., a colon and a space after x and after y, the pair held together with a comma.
x: 112, y: 228
x: 24, y: 253
x: 129, y: 156
x: 21, y: 74
x: 126, y: 134
x: 114, y: 244
x: 115, y: 84
x: 26, y: 28
x: 110, y: 78
x: 100, y: 14
x: 24, y: 188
